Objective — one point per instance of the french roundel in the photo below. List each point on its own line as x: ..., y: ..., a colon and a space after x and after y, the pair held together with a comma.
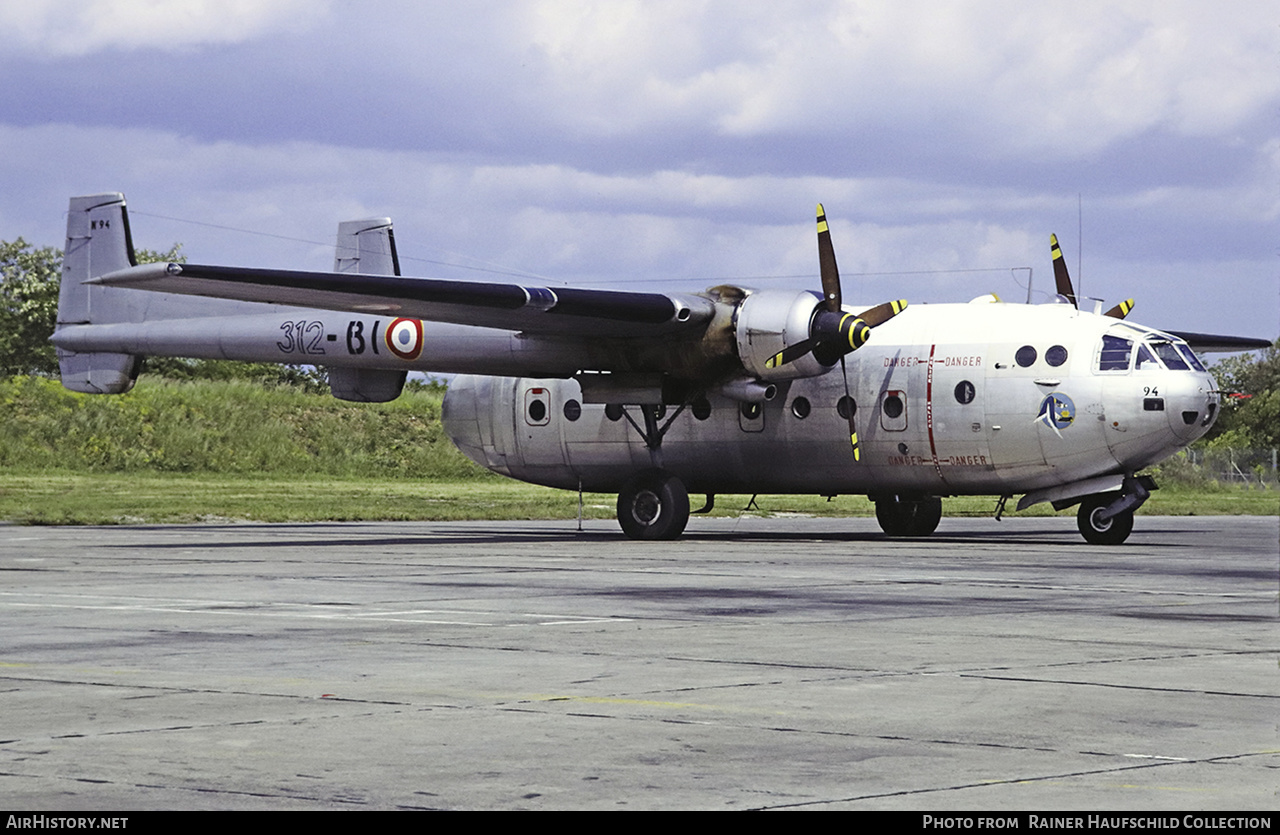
x: 404, y: 338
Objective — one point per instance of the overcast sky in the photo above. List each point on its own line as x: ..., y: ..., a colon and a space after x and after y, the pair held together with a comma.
x: 675, y: 145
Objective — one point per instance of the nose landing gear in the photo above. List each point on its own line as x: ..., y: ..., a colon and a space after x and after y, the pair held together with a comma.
x: 1107, y: 518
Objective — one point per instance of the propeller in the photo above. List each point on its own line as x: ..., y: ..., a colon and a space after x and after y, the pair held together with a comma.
x: 833, y: 333
x: 1063, y: 281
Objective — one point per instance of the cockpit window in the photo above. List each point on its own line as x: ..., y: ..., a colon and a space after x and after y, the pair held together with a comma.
x: 1169, y: 355
x: 1189, y: 355
x: 1146, y: 359
x: 1115, y: 352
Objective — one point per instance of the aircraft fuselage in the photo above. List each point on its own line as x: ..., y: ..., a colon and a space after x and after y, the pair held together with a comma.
x: 949, y: 399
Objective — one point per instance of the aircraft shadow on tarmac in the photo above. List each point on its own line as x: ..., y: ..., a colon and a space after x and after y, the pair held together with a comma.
x: 1049, y: 534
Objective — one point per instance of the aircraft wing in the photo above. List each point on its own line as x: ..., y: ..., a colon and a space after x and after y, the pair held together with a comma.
x: 543, y: 310
x: 1207, y: 343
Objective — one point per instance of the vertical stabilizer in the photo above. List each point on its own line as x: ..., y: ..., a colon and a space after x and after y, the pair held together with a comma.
x: 366, y: 247
x: 98, y: 242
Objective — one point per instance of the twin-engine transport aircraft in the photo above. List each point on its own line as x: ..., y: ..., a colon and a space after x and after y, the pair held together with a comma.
x: 654, y: 395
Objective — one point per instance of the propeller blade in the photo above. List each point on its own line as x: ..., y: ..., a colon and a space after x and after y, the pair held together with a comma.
x: 834, y: 333
x: 829, y: 272
x: 1060, y: 275
x: 882, y: 313
x: 853, y: 428
x: 1121, y: 310
x: 791, y: 353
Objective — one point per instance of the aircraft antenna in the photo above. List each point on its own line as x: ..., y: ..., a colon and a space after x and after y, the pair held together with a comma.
x: 1079, y: 241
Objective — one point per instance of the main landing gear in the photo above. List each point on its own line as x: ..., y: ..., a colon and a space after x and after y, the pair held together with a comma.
x: 901, y: 516
x: 653, y: 505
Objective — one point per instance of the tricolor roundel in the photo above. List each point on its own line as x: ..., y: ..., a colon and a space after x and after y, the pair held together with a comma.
x: 404, y: 338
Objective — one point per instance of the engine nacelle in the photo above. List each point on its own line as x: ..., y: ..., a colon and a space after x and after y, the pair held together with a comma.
x: 768, y: 321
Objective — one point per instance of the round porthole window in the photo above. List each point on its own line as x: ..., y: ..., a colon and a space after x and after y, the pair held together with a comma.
x: 572, y: 409
x: 893, y: 406
x: 1056, y: 355
x: 1026, y: 356
x: 846, y: 407
x: 800, y: 407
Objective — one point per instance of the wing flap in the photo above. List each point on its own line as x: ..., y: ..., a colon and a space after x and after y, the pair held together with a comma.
x: 564, y: 311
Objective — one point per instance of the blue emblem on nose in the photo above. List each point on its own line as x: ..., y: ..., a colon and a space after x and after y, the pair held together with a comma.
x: 1057, y: 411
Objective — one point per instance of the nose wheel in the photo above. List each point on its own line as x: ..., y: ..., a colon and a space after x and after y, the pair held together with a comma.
x: 653, y: 505
x: 1098, y: 530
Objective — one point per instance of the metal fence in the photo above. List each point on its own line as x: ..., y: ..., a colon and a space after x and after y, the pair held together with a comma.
x: 1226, y: 466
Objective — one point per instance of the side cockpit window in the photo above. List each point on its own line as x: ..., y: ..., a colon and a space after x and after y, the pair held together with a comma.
x: 1115, y: 353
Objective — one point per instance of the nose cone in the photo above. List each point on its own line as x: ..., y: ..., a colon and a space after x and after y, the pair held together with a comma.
x: 1191, y: 404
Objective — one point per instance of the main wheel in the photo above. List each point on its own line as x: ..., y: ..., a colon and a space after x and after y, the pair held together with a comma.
x: 909, y: 517
x: 1097, y: 532
x: 653, y: 505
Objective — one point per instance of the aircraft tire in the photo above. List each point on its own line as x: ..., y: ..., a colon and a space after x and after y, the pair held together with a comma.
x: 1096, y: 532
x: 909, y: 517
x: 653, y: 505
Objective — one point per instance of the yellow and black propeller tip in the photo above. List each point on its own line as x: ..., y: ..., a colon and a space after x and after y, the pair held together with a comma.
x: 1121, y: 310
x: 1061, y: 278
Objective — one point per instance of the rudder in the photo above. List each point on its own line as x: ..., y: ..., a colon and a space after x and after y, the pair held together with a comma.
x: 98, y: 242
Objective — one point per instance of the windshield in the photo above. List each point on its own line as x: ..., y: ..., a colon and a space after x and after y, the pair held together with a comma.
x: 1152, y: 351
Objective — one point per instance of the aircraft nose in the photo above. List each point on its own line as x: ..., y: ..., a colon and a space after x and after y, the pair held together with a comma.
x: 1191, y: 404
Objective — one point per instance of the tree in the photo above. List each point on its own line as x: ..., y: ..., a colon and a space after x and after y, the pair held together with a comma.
x: 1254, y: 419
x: 28, y: 307
x: 29, y: 304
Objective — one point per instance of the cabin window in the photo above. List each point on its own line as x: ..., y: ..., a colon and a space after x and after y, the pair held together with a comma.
x: 1026, y: 356
x: 1115, y: 353
x: 846, y: 407
x: 1056, y: 355
x: 613, y: 411
x: 800, y: 407
x: 537, y: 411
x: 965, y: 392
x: 701, y: 408
x: 1146, y: 359
x: 572, y: 409
x: 893, y: 411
